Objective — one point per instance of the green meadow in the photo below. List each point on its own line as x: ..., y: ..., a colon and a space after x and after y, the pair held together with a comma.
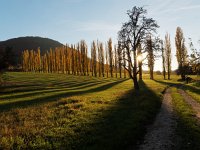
x: 58, y: 111
x: 52, y: 111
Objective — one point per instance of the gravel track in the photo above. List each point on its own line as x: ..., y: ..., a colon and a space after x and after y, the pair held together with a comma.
x: 160, y: 135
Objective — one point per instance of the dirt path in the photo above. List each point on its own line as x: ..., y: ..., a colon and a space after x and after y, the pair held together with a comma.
x: 160, y: 135
x: 195, y: 105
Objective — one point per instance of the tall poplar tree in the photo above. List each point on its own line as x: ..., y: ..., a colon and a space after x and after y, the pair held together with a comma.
x: 168, y: 55
x: 94, y: 57
x: 163, y: 59
x: 181, y: 52
x: 110, y: 54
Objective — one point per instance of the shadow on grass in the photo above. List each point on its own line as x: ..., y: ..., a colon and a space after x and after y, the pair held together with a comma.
x: 191, y: 89
x: 121, y: 126
x: 169, y: 83
x: 39, y: 87
x: 24, y: 103
x: 180, y: 85
x: 21, y: 93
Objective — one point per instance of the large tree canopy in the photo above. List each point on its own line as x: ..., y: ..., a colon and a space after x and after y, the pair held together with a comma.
x: 133, y: 33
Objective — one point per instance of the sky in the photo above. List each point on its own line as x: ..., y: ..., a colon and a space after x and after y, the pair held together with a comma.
x: 69, y: 21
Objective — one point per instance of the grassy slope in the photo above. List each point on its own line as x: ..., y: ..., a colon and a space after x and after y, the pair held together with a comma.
x: 55, y: 110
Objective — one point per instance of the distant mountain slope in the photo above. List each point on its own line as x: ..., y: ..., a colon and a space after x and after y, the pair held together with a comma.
x: 23, y: 43
x: 30, y: 43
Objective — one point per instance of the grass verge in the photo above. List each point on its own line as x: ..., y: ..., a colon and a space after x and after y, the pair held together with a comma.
x: 188, y: 128
x: 193, y: 90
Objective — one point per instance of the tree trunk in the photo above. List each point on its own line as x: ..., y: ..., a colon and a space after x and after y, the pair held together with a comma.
x: 120, y: 72
x: 168, y: 74
x: 164, y: 74
x: 183, y: 76
x: 182, y: 72
x: 151, y: 74
x: 135, y: 81
x: 140, y: 70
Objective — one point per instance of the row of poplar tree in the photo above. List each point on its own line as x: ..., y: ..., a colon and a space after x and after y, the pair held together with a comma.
x: 105, y: 61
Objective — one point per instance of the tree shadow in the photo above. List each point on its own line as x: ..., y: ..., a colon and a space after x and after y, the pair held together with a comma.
x: 180, y: 85
x: 53, y: 85
x: 25, y: 103
x: 123, y: 125
x: 44, y: 89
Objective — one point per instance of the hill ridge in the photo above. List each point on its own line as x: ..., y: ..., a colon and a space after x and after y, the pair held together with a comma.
x: 20, y: 44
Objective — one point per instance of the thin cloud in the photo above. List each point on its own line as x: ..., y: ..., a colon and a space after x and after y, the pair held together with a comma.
x: 183, y: 8
x: 188, y: 7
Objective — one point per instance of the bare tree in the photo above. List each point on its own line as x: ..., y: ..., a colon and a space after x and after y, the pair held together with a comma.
x: 132, y: 34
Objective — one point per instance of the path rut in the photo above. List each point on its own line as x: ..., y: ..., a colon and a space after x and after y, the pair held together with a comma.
x: 194, y: 104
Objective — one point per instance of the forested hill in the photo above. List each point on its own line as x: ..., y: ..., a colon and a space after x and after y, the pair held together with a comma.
x: 30, y: 43
x: 23, y: 43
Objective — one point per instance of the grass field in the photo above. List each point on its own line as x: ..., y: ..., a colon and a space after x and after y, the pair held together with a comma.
x: 53, y: 111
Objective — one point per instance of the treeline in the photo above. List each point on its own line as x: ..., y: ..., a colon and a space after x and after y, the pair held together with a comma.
x: 104, y: 61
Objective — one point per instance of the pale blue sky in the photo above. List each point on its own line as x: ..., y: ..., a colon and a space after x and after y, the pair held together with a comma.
x: 69, y: 21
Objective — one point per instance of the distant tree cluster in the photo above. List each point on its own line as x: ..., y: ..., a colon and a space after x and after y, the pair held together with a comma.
x: 194, y: 59
x: 187, y: 64
x: 7, y: 58
x: 74, y: 59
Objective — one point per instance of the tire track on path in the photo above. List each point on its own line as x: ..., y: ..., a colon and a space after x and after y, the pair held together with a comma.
x: 193, y: 103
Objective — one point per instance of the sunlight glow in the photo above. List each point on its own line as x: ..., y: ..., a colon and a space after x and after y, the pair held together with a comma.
x: 139, y: 58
